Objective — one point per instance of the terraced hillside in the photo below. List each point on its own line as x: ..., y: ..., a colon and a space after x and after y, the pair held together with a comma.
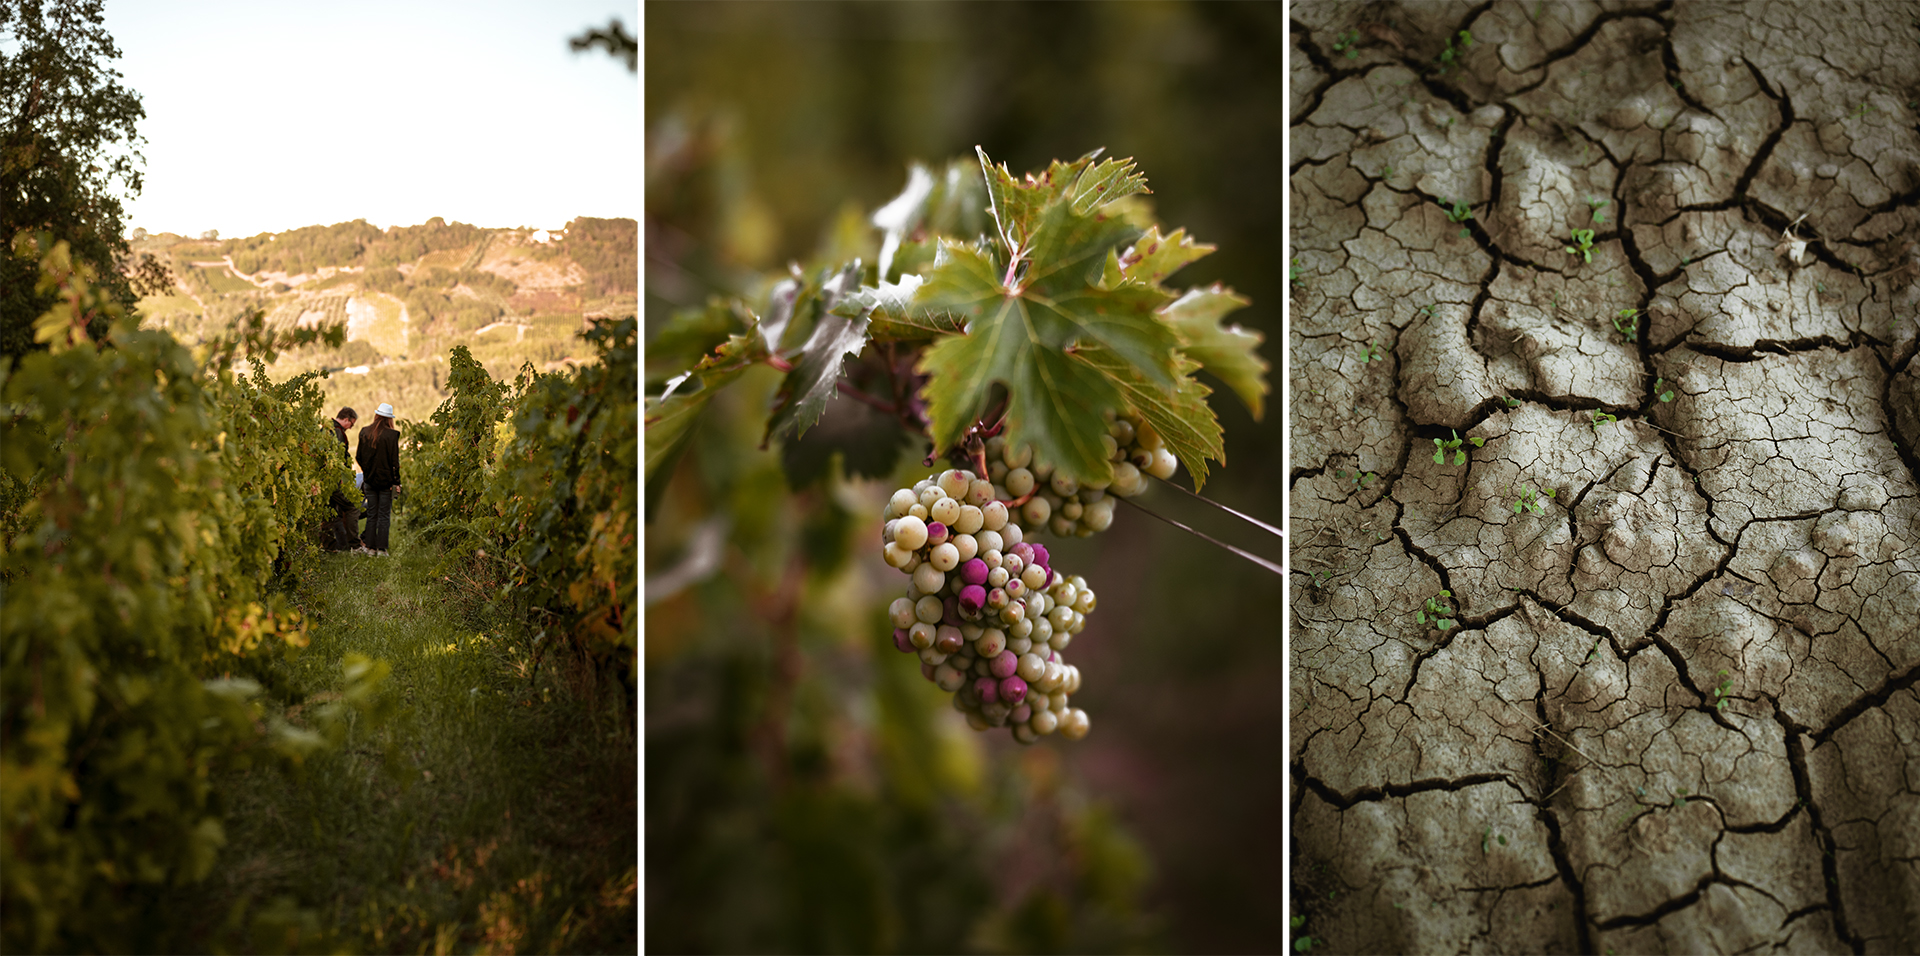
x: 1606, y: 577
x: 407, y: 296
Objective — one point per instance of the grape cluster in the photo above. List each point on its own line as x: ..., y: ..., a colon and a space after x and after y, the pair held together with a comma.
x: 1050, y: 501
x: 986, y: 612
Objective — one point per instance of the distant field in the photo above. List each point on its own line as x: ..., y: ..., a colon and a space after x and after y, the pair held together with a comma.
x: 225, y: 282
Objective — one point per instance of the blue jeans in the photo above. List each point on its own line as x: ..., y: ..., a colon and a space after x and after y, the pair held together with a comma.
x: 379, y: 516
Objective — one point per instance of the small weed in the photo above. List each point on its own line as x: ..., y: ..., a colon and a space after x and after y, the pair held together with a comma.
x: 1666, y: 396
x: 1449, y: 55
x: 1860, y: 111
x: 1293, y: 275
x: 1680, y: 797
x: 1386, y: 173
x: 1595, y: 653
x: 1512, y: 402
x: 1346, y: 43
x: 1528, y: 499
x: 1373, y: 352
x: 1627, y: 323
x: 1430, y: 310
x: 1304, y: 943
x: 1720, y: 692
x: 1600, y: 418
x: 1360, y: 479
x: 1459, y: 457
x: 1583, y: 245
x: 1436, y: 612
x: 1458, y: 212
x: 1599, y: 209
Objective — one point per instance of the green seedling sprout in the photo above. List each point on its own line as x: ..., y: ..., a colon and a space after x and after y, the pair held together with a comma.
x: 1527, y: 499
x: 1512, y: 402
x: 1666, y: 396
x: 1720, y: 693
x: 1583, y: 245
x: 1599, y: 209
x: 1450, y: 54
x: 1600, y: 418
x: 1373, y: 353
x: 1346, y: 43
x: 1458, y: 212
x: 1460, y: 457
x: 1627, y: 323
x: 1436, y: 612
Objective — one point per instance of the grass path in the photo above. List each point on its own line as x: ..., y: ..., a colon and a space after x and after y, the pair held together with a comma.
x: 492, y: 810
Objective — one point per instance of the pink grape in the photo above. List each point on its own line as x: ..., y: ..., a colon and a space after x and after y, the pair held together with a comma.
x: 974, y: 571
x: 1004, y: 664
x: 972, y: 598
x: 900, y: 640
x: 936, y: 533
x: 926, y: 670
x: 1013, y: 690
x: 1020, y: 714
x: 987, y: 689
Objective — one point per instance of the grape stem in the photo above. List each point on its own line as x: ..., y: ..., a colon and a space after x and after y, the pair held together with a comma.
x: 1250, y: 556
x: 1270, y: 529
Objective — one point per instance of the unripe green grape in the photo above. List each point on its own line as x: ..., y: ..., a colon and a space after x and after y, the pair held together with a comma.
x: 990, y: 540
x: 1044, y: 722
x: 1098, y: 516
x: 996, y: 473
x: 1042, y: 470
x: 1121, y: 431
x: 1109, y: 449
x: 1025, y: 733
x: 1146, y: 437
x: 1060, y: 640
x: 969, y: 521
x: 932, y: 657
x: 1062, y: 592
x: 1034, y: 576
x: 1050, y: 681
x: 1012, y: 564
x: 971, y: 632
x: 910, y: 533
x: 944, y: 557
x: 993, y: 516
x: 996, y: 446
x: 1079, y: 623
x: 1072, y: 509
x: 913, y: 563
x: 1063, y: 485
x: 1021, y: 632
x: 1063, y: 526
x: 929, y: 579
x: 918, y: 511
x: 1036, y: 606
x: 1042, y: 631
x: 1014, y: 613
x: 967, y: 545
x: 954, y: 482
x: 931, y: 494
x: 946, y: 511
x: 1030, y: 667
x: 929, y: 609
x: 991, y: 642
x: 1164, y: 464
x: 1019, y: 457
x: 1057, y: 701
x: 1075, y: 725
x: 982, y: 667
x: 1126, y: 480
x: 947, y: 678
x: 979, y: 492
x: 1092, y: 493
x: 1079, y: 582
x: 1073, y: 679
x: 996, y: 713
x: 1061, y: 617
x: 901, y: 501
x: 921, y: 635
x: 978, y: 721
x: 897, y: 557
x: 1019, y: 482
x: 901, y: 613
x: 1036, y: 511
x: 997, y: 577
x: 1014, y: 588
x: 1010, y: 535
x: 1085, y: 602
x: 993, y: 560
x: 1057, y: 580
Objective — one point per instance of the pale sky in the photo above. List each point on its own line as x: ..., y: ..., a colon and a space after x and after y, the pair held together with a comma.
x: 268, y: 115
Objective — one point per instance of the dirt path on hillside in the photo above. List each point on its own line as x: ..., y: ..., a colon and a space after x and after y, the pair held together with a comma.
x: 1670, y: 703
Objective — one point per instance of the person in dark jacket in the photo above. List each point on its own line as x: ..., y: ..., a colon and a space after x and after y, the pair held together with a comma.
x: 379, y: 458
x: 345, y: 526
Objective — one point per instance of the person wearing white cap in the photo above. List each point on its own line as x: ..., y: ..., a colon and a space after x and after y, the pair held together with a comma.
x: 379, y: 457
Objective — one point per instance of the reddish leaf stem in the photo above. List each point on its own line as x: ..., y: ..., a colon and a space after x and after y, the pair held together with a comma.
x: 847, y: 388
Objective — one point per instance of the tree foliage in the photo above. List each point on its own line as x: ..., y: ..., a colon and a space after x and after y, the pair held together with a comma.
x: 68, y: 146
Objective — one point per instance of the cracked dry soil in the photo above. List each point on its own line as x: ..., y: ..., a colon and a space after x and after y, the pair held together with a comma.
x: 1676, y: 710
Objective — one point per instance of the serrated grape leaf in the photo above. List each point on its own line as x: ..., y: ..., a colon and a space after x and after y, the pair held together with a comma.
x: 1019, y: 204
x: 1182, y: 417
x: 803, y: 394
x: 869, y: 442
x: 690, y: 334
x: 670, y: 418
x: 1229, y: 352
x: 892, y: 318
x: 1153, y: 257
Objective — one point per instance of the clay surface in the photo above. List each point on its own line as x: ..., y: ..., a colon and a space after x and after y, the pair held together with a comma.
x: 1671, y: 706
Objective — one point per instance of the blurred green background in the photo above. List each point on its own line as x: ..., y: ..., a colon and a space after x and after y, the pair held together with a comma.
x: 806, y: 790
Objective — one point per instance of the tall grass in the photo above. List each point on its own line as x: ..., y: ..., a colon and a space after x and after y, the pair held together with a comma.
x: 494, y: 810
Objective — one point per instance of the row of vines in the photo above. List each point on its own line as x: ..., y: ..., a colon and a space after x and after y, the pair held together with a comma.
x: 158, y: 510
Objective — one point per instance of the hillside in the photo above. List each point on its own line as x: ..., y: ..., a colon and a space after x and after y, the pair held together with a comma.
x: 407, y: 294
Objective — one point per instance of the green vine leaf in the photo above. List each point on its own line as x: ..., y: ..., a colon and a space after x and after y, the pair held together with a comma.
x: 803, y: 395
x: 1030, y: 298
x: 1229, y: 352
x: 892, y: 317
x: 669, y: 419
x: 1183, y: 418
